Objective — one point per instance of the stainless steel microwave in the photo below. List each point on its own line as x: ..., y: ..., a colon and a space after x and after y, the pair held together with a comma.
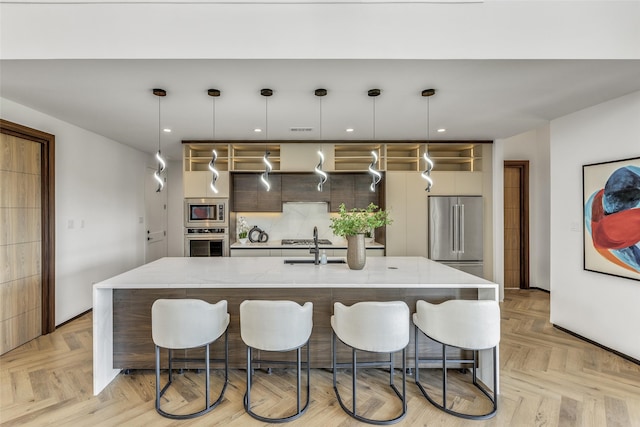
x: 202, y: 213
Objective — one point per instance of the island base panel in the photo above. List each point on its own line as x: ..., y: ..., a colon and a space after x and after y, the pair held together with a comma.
x: 133, y: 346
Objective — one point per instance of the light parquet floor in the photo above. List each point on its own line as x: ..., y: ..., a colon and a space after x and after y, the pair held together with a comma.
x: 548, y: 378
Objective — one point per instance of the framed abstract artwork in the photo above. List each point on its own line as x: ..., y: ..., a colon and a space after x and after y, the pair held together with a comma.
x: 611, y: 207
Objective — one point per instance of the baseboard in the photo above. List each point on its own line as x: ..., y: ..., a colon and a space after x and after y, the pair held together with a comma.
x: 540, y: 289
x: 74, y: 318
x: 617, y: 353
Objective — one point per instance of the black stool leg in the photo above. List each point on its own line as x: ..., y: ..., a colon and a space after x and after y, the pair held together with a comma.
x: 207, y: 380
x: 493, y: 399
x: 298, y: 369
x: 354, y: 365
x: 444, y: 375
x: 247, y: 400
x: 157, y: 377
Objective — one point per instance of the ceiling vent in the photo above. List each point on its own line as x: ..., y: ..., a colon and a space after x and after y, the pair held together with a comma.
x: 301, y: 129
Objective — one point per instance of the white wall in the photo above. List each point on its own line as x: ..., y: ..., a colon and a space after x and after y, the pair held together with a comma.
x: 99, y: 203
x: 533, y: 146
x: 600, y: 307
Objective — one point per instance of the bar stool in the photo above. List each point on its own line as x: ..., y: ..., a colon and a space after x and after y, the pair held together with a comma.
x: 465, y: 324
x: 184, y: 324
x: 276, y: 326
x: 378, y: 327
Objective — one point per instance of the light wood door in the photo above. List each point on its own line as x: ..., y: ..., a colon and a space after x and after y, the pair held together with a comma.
x: 516, y: 224
x: 20, y: 242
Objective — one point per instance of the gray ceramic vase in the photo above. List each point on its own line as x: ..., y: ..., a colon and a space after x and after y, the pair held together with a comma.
x: 356, y: 252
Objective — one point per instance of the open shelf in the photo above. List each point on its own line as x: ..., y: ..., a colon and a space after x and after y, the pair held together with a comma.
x: 349, y: 157
x: 356, y: 157
x: 198, y: 156
x: 250, y: 157
x: 446, y: 157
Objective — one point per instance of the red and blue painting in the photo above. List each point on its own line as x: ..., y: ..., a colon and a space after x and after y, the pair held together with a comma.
x: 612, y: 217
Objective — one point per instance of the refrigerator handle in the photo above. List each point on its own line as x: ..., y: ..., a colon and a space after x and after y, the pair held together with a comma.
x: 461, y: 228
x: 454, y: 226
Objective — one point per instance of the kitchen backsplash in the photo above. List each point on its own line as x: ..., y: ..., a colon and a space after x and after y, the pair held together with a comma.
x: 295, y: 222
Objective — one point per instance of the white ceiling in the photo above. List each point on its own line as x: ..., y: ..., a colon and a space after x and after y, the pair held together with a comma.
x: 475, y: 99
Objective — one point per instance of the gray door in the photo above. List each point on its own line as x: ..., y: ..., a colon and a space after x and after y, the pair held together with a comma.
x: 156, y: 219
x: 470, y: 224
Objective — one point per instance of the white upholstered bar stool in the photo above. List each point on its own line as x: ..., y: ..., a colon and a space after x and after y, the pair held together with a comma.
x: 276, y: 326
x: 378, y: 327
x: 185, y: 324
x: 465, y: 324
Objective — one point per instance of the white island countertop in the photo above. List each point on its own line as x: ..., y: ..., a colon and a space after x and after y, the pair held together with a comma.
x: 265, y: 273
x: 270, y: 272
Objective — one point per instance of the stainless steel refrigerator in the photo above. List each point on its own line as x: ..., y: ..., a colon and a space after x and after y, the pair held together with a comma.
x: 455, y: 232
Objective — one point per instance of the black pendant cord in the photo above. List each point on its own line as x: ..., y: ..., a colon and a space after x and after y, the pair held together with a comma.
x: 266, y: 121
x: 320, y: 114
x: 213, y: 118
x: 374, y: 119
x: 428, y: 123
x: 159, y: 125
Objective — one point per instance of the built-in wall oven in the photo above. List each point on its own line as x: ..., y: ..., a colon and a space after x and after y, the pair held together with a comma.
x: 206, y: 242
x: 206, y: 232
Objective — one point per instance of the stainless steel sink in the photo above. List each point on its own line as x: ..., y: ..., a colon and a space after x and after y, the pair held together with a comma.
x: 310, y: 261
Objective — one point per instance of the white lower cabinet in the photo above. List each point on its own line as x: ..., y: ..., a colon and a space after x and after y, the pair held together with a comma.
x: 373, y: 252
x: 339, y: 253
x: 251, y: 252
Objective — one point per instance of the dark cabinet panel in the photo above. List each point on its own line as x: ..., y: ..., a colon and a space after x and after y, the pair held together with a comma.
x: 353, y: 189
x: 245, y: 192
x: 249, y: 195
x: 342, y: 191
x: 363, y: 193
x: 303, y: 187
x: 270, y: 201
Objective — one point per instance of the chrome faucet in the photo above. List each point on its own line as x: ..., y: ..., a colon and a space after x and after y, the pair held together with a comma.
x: 315, y: 250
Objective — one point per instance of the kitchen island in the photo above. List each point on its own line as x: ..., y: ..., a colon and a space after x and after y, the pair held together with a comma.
x: 121, y: 304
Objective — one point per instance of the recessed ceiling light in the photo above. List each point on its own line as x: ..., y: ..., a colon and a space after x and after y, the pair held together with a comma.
x: 441, y: 130
x: 257, y: 130
x: 167, y: 130
x: 349, y: 129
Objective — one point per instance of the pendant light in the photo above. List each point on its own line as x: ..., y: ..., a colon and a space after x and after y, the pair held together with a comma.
x: 375, y: 175
x: 213, y: 93
x: 157, y: 175
x: 318, y: 169
x: 426, y: 174
x: 268, y: 167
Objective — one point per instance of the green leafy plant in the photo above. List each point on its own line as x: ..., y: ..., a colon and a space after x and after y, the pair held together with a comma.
x: 358, y: 221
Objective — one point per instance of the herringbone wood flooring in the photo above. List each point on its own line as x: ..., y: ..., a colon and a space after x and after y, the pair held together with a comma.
x: 548, y: 378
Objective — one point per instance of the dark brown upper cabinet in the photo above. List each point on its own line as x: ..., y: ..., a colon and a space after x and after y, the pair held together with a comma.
x: 249, y: 195
x: 353, y: 189
x: 303, y: 187
x: 350, y: 188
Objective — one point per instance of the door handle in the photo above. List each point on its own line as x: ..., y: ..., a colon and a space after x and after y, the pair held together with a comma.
x: 461, y: 228
x: 453, y: 228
